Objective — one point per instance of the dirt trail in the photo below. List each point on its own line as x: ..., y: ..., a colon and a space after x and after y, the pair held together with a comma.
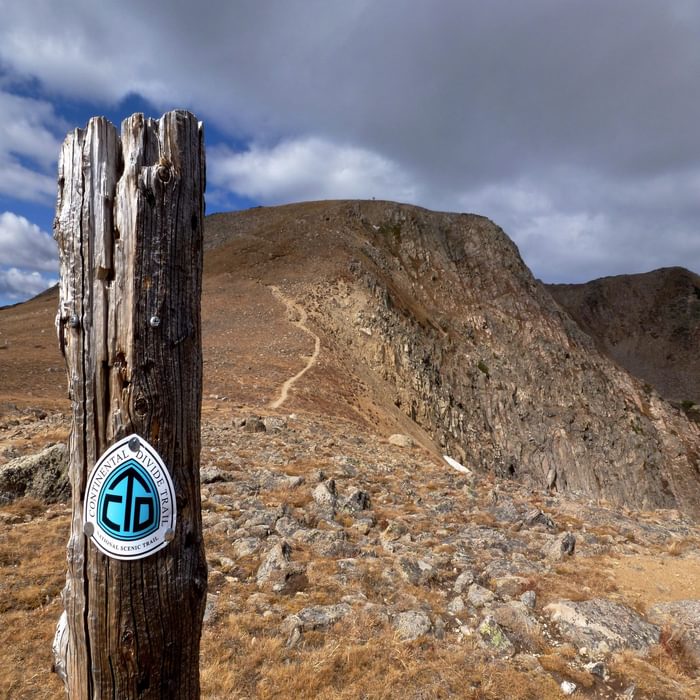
x: 295, y: 309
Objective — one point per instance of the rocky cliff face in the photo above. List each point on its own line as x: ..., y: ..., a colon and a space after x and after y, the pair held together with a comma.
x: 648, y: 323
x: 437, y: 315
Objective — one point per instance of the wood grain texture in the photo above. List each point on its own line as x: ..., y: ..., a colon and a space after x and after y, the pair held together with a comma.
x: 129, y: 222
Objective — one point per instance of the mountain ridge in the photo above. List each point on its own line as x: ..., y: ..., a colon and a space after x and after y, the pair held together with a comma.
x: 400, y: 293
x: 648, y: 322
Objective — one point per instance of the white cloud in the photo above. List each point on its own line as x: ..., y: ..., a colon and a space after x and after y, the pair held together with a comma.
x: 19, y: 284
x: 309, y: 168
x: 28, y: 148
x: 25, y: 245
x: 455, y: 105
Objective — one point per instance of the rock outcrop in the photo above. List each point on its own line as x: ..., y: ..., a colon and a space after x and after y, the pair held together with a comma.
x: 437, y: 315
x: 43, y: 476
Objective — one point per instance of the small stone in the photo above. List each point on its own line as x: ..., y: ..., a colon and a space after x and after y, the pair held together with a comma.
x: 529, y: 598
x: 568, y: 544
x: 415, y: 571
x: 274, y: 424
x: 246, y: 546
x: 597, y: 668
x: 464, y: 580
x: 412, y: 624
x: 210, y: 608
x: 393, y: 531
x: 316, y: 617
x: 508, y: 586
x: 357, y: 501
x: 494, y: 637
x: 213, y: 475
x: 325, y: 494
x: 568, y: 688
x: 456, y: 605
x: 479, y: 596
x: 253, y: 424
x: 401, y: 440
x: 538, y: 517
x: 682, y: 618
x: 274, y: 567
x: 43, y: 476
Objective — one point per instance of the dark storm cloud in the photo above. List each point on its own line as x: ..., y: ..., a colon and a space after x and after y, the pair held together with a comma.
x: 572, y: 123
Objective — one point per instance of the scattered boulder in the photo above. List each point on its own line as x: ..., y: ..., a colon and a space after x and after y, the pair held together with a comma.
x: 479, y: 596
x: 210, y: 610
x: 494, y: 638
x: 456, y: 605
x: 529, y: 598
x: 463, y: 581
x: 412, y: 624
x: 357, y: 501
x: 415, y: 571
x: 278, y: 573
x: 325, y: 495
x: 213, y: 475
x: 393, y: 531
x: 315, y: 617
x: 563, y: 546
x: 274, y: 424
x: 246, y: 546
x: 43, y: 476
x: 400, y: 440
x: 568, y: 687
x: 602, y: 625
x: 515, y: 618
x: 251, y: 424
x: 537, y: 517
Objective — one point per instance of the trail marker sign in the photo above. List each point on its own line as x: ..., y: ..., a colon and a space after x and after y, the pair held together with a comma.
x: 130, y: 508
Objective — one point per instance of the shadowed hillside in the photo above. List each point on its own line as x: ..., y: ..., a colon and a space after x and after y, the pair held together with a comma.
x: 648, y: 323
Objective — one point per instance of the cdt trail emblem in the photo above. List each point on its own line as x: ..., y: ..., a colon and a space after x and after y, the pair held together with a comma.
x: 129, y: 508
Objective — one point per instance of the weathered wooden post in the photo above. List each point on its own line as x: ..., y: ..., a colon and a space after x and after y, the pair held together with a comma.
x: 128, y: 224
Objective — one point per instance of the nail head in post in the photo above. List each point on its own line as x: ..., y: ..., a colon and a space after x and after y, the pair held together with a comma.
x: 134, y: 444
x: 88, y: 529
x: 169, y: 535
x: 74, y: 321
x: 154, y: 321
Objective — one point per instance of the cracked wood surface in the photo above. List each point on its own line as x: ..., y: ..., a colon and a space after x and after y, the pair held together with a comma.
x: 129, y: 222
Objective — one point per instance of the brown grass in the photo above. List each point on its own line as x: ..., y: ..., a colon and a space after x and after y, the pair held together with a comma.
x: 32, y: 574
x: 558, y: 661
x: 573, y: 580
x: 657, y: 677
x: 359, y: 659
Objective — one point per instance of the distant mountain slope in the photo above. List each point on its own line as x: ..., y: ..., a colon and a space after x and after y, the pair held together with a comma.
x: 428, y: 324
x: 436, y: 316
x: 648, y: 323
